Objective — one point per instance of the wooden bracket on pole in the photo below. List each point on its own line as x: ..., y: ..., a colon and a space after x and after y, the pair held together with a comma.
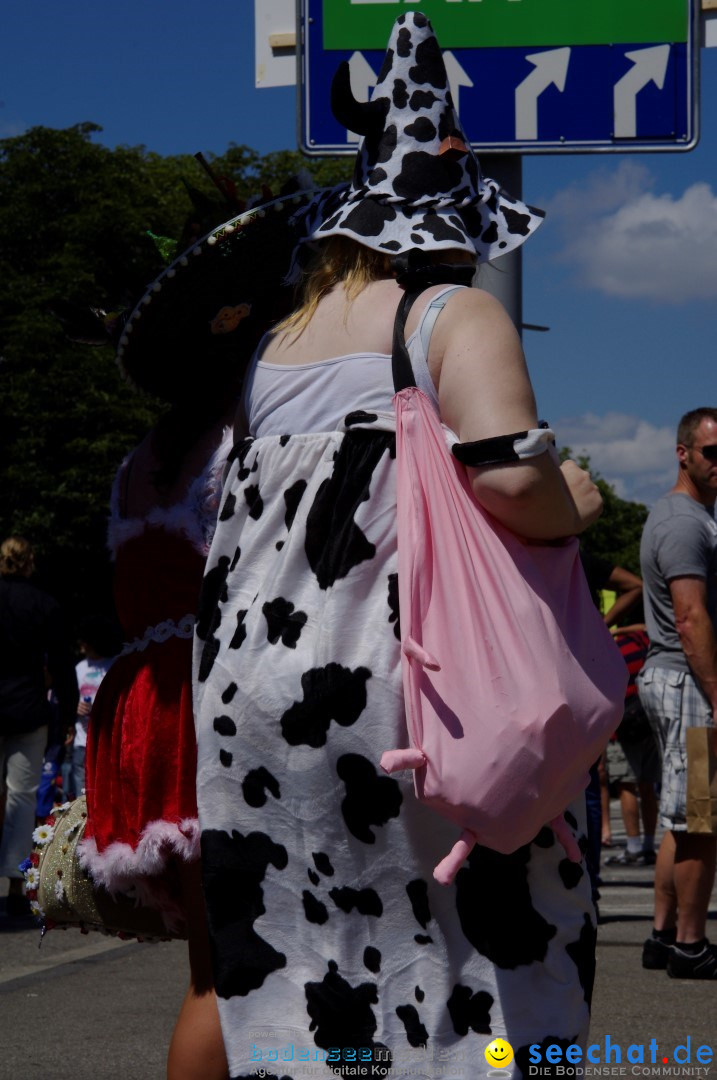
x: 283, y: 41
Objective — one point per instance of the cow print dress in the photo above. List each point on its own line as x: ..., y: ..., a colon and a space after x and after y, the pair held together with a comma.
x: 335, y: 951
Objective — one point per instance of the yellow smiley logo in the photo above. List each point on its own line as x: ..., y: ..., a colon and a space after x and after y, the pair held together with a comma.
x: 499, y: 1053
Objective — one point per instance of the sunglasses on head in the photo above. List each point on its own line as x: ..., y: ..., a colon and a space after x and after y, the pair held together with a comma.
x: 709, y: 452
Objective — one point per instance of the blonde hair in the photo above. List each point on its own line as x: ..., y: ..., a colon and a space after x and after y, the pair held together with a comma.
x: 337, y: 260
x: 16, y: 557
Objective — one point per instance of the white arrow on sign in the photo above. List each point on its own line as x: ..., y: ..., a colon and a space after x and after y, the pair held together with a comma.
x: 551, y: 69
x: 363, y: 77
x: 648, y: 65
x: 457, y: 77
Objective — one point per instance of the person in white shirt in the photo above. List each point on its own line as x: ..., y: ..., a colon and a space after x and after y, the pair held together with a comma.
x: 99, y: 643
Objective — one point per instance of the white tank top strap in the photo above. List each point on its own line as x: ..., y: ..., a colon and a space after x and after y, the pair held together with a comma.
x: 420, y: 340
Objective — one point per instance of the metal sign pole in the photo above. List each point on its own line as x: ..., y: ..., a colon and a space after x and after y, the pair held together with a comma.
x: 503, y: 277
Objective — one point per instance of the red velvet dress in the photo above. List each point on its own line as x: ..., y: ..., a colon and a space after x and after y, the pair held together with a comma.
x: 141, y: 748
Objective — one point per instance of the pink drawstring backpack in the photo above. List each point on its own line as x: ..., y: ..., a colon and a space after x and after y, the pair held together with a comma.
x: 512, y: 682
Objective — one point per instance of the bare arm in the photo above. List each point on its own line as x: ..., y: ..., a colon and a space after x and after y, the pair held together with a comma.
x: 696, y: 632
x: 629, y: 588
x: 630, y: 629
x: 484, y: 390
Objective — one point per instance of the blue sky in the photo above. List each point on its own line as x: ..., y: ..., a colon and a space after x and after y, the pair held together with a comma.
x: 624, y: 270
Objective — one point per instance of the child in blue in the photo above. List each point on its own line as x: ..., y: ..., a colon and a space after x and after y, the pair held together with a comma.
x: 99, y: 644
x: 64, y: 757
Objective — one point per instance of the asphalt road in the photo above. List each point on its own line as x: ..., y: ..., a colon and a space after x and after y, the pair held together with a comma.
x: 92, y: 1008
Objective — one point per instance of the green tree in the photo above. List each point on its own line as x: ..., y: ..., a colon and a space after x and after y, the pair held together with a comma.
x: 73, y: 219
x: 74, y: 224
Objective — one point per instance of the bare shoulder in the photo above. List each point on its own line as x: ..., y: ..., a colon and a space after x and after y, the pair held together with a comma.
x: 471, y: 310
x: 483, y: 384
x: 474, y: 299
x: 418, y: 309
x: 473, y: 327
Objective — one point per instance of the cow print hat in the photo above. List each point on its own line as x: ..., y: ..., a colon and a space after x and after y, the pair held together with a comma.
x: 417, y: 183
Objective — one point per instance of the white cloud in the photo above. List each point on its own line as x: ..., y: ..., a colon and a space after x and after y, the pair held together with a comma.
x: 602, y: 192
x: 636, y: 457
x: 624, y: 240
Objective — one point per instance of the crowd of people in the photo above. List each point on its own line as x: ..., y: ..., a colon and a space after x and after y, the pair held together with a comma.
x: 227, y: 750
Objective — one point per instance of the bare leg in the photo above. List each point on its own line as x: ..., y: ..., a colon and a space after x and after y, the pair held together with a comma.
x: 630, y: 808
x: 648, y: 809
x: 694, y: 874
x: 665, y: 895
x: 197, y: 1048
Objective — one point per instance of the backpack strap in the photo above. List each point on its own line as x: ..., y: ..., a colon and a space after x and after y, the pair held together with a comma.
x: 403, y: 374
x: 416, y: 272
x: 400, y: 360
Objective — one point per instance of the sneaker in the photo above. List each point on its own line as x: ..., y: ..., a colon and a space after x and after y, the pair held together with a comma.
x: 655, y: 954
x: 701, y: 965
x: 626, y: 858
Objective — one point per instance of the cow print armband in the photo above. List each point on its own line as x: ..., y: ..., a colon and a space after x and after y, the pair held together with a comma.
x: 504, y: 449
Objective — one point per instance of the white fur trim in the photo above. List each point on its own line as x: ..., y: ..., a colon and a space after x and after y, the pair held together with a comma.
x: 137, y: 871
x: 535, y: 442
x: 160, y: 841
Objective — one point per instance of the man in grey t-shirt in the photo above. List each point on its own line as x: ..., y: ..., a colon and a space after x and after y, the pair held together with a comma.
x: 678, y: 689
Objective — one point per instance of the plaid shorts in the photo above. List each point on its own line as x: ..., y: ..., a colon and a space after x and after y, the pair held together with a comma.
x: 633, y: 763
x: 673, y: 702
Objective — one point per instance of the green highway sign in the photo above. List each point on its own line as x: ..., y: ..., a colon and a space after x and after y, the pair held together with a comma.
x: 526, y: 76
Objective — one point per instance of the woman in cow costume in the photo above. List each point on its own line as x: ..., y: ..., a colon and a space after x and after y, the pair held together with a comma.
x: 335, y: 951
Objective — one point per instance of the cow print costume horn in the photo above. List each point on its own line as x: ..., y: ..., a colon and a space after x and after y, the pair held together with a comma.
x: 363, y: 117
